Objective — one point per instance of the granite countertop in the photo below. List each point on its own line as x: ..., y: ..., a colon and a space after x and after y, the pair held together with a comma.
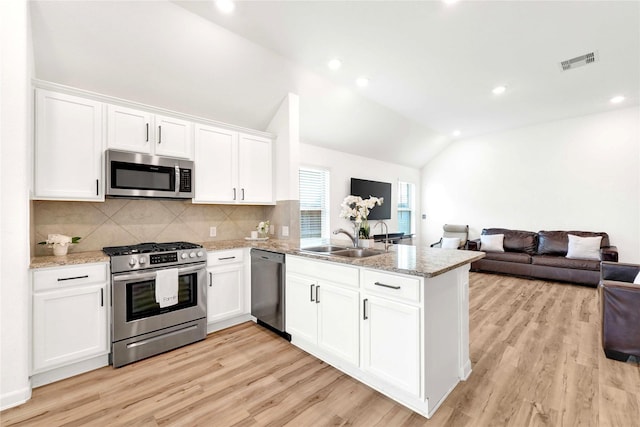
x: 421, y: 261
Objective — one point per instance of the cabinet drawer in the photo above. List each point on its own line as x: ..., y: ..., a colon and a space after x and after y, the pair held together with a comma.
x: 324, y: 270
x: 61, y: 277
x: 225, y: 257
x: 391, y: 285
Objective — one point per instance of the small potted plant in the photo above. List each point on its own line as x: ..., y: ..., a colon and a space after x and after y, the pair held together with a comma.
x: 263, y: 229
x: 60, y: 243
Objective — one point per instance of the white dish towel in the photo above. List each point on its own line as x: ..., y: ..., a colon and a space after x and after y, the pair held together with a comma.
x: 167, y: 287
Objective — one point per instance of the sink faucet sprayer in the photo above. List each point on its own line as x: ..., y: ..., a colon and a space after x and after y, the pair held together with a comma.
x: 386, y: 239
x: 353, y: 238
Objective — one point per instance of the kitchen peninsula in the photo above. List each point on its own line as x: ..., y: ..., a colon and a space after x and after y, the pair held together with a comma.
x: 397, y: 321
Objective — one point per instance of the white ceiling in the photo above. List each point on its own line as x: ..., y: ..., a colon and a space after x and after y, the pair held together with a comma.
x: 431, y: 66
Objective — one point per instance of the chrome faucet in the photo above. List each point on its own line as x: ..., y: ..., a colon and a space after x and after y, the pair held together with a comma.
x: 353, y: 238
x: 386, y: 238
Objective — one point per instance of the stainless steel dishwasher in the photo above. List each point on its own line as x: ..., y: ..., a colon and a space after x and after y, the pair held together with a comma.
x: 267, y: 290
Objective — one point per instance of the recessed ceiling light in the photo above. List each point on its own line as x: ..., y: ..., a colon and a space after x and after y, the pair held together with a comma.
x: 334, y: 64
x: 362, y: 81
x: 225, y: 6
x: 456, y: 133
x: 499, y: 90
x: 617, y: 99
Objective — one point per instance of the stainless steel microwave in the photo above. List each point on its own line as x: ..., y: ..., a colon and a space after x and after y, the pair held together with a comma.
x: 138, y: 175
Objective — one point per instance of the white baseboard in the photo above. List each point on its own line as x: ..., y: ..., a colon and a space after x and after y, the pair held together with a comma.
x: 15, y: 398
x: 227, y: 323
x: 68, y: 371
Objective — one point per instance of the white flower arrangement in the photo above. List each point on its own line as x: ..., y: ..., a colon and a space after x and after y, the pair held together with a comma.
x: 59, y: 240
x: 356, y: 209
x: 263, y: 227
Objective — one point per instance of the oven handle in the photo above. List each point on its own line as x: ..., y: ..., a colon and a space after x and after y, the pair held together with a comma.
x: 152, y: 274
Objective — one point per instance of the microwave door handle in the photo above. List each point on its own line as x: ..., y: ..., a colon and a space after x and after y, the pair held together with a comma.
x: 177, y: 167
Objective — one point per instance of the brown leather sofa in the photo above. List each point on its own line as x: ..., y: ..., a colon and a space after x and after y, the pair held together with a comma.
x: 619, y: 306
x: 542, y: 255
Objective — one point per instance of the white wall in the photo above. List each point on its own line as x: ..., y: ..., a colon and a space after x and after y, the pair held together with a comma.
x: 343, y: 167
x: 15, y: 134
x: 577, y: 174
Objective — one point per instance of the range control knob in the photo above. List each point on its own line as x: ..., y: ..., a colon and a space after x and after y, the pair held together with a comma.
x: 132, y: 261
x: 142, y: 260
x: 199, y: 254
x: 184, y: 255
x: 192, y: 255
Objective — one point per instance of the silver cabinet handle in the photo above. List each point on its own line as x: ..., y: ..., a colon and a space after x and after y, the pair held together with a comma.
x: 243, y: 194
x: 97, y: 187
x: 226, y: 258
x: 159, y: 134
x: 62, y: 279
x: 311, y: 296
x: 234, y: 193
x: 147, y: 133
x: 317, y: 296
x: 210, y: 279
x: 101, y: 297
x: 386, y: 286
x: 364, y: 309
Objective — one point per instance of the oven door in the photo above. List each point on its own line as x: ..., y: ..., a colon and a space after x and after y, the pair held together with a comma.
x: 134, y: 307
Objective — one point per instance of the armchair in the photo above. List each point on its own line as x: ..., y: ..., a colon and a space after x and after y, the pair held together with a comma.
x: 460, y: 232
x: 619, y: 306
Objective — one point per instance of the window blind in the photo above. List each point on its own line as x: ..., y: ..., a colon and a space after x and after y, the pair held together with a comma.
x: 314, y: 204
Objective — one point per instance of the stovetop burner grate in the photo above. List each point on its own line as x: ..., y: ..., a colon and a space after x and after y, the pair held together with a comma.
x: 143, y: 248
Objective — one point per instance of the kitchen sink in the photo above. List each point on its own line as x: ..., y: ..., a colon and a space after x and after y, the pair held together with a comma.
x: 357, y: 252
x: 325, y: 249
x: 342, y: 251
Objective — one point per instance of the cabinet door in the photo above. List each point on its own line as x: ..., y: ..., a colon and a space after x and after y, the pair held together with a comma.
x: 301, y: 308
x: 68, y: 148
x: 69, y: 325
x: 339, y: 321
x: 173, y: 137
x: 216, y: 161
x: 391, y: 342
x: 255, y: 169
x: 129, y: 129
x: 225, y: 294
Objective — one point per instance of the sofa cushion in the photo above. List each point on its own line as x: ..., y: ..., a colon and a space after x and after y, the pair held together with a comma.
x: 557, y: 242
x: 516, y: 240
x: 584, y: 247
x: 518, y: 257
x: 562, y: 262
x: 492, y: 243
x: 450, y: 243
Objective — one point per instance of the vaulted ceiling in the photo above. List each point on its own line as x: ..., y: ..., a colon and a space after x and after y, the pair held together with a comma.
x: 431, y: 66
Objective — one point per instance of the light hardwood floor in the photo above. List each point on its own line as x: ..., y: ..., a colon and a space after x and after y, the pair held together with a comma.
x: 535, y: 352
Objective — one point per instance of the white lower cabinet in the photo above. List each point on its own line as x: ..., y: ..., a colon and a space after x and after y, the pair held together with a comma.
x: 227, y: 288
x: 390, y: 342
x: 69, y: 315
x: 323, y: 312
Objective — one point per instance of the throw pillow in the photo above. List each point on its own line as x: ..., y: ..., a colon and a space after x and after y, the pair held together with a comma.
x: 492, y: 242
x: 450, y: 243
x: 636, y: 281
x: 584, y: 247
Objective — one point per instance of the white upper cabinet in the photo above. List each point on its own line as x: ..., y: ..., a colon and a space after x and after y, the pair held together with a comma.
x: 140, y: 131
x: 232, y: 167
x: 129, y: 129
x: 174, y: 137
x: 68, y: 148
x: 255, y: 158
x: 216, y: 160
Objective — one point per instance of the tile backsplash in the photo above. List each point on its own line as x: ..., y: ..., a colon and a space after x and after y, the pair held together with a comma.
x: 123, y: 221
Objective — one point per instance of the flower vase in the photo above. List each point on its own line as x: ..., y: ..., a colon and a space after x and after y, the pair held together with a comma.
x: 367, y: 243
x: 60, y: 250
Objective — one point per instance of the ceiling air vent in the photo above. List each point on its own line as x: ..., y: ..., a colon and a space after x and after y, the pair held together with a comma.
x: 579, y: 61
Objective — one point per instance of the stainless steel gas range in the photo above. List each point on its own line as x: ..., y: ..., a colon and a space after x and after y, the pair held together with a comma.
x: 158, y: 299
